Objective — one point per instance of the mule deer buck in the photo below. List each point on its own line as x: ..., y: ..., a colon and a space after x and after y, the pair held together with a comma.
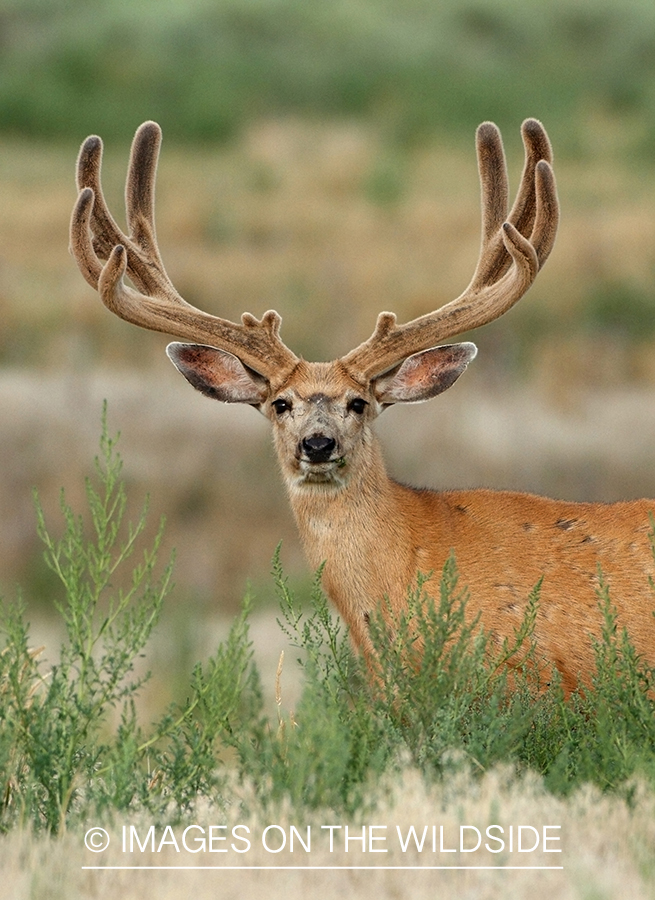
x: 373, y: 534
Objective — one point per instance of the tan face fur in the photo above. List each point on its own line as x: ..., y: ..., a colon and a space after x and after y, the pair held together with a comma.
x: 321, y: 422
x: 321, y: 413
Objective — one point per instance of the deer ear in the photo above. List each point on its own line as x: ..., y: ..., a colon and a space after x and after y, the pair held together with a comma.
x: 218, y: 374
x: 424, y: 375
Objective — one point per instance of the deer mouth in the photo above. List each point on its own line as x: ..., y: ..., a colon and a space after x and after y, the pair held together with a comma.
x: 319, y: 460
x: 321, y: 472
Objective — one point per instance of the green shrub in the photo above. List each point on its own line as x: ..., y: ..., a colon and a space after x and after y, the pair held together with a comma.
x: 437, y: 696
x: 53, y: 742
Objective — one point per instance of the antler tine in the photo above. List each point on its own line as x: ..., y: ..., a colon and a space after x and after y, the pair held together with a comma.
x: 140, y: 203
x: 494, y: 259
x: 81, y: 244
x: 141, y: 177
x: 145, y: 267
x: 514, y: 247
x: 106, y: 232
x: 546, y: 218
x: 156, y: 305
x: 537, y: 149
x: 494, y: 183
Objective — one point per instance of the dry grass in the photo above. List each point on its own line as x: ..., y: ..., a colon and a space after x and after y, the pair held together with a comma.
x: 607, y: 852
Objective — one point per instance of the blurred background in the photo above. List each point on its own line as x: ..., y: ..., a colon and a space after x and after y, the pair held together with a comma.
x: 319, y: 159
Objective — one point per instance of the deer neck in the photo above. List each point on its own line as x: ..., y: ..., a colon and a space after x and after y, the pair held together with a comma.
x: 361, y: 533
x: 333, y: 519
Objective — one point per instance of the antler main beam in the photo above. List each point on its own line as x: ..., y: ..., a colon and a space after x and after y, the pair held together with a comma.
x: 514, y: 247
x: 105, y: 255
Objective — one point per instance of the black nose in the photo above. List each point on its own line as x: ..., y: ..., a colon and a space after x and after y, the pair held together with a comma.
x: 318, y: 447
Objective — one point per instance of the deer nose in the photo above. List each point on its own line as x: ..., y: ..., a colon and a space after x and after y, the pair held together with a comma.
x: 318, y: 447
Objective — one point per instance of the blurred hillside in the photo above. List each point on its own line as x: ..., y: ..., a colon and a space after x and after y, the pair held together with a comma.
x: 319, y: 159
x: 203, y: 68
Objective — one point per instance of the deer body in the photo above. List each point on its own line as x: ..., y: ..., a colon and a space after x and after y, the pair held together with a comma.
x: 372, y: 534
x: 374, y: 544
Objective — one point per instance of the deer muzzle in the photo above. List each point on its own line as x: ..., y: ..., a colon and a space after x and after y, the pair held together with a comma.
x: 318, y: 448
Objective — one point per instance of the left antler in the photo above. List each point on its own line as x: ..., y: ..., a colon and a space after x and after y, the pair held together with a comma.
x: 515, y: 246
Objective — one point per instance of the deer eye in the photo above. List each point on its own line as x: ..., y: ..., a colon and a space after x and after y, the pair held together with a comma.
x: 281, y: 406
x: 357, y: 405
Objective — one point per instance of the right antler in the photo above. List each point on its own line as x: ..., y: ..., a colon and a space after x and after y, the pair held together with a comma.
x: 104, y: 255
x: 515, y: 246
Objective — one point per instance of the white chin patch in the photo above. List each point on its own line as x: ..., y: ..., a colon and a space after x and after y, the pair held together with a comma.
x: 328, y: 473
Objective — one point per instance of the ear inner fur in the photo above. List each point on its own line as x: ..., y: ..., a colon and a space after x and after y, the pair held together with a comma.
x: 426, y: 374
x: 217, y: 374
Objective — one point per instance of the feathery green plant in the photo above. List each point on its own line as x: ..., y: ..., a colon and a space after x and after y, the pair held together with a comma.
x: 438, y: 694
x: 54, y: 724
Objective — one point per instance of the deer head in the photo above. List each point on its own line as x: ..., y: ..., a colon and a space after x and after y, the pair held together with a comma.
x: 321, y: 412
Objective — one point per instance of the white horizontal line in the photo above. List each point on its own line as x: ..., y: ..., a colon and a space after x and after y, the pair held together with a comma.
x: 321, y: 868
